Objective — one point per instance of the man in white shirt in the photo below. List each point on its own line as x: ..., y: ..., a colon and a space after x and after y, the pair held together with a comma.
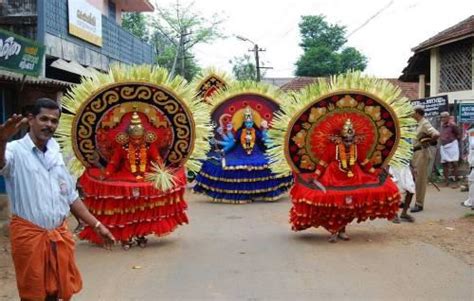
x: 42, y: 193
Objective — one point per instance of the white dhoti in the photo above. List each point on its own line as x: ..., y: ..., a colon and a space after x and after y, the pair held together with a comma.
x: 403, y: 178
x: 449, y: 152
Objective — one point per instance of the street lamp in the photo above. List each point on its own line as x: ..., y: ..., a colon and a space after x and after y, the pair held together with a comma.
x: 255, y: 50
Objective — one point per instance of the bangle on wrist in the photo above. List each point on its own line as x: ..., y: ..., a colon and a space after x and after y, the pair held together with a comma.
x: 97, y: 225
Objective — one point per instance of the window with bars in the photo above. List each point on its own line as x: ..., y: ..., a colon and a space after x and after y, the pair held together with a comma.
x: 456, y: 67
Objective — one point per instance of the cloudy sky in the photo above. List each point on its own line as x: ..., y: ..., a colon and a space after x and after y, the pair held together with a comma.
x: 384, y: 30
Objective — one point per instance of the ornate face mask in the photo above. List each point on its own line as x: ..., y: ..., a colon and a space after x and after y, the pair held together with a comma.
x: 347, y: 132
x: 248, y: 117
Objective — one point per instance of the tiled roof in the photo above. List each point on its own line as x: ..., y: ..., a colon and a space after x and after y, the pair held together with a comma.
x: 298, y: 83
x: 460, y: 31
x: 43, y: 81
x: 409, y: 90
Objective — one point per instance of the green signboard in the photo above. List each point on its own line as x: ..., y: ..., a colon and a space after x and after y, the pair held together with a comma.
x: 466, y: 112
x: 19, y: 54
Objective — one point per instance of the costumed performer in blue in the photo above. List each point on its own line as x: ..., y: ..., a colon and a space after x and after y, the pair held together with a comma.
x: 237, y: 169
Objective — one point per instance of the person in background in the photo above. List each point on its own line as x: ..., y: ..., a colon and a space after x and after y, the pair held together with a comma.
x: 449, y: 149
x: 403, y: 177
x: 470, y: 200
x: 422, y: 154
x: 42, y: 193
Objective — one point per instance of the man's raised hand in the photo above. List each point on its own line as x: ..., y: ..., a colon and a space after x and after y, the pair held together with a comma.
x: 12, y: 126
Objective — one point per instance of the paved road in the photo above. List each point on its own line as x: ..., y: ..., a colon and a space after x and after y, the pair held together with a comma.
x: 247, y: 252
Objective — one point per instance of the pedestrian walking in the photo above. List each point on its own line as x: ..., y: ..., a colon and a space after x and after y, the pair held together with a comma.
x: 403, y: 177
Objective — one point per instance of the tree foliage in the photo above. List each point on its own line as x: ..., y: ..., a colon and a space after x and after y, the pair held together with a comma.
x: 244, y: 68
x: 324, y: 51
x: 177, y: 30
x: 137, y: 24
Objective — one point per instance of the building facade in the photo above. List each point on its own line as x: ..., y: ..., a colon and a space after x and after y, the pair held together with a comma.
x: 444, y: 64
x: 76, y: 35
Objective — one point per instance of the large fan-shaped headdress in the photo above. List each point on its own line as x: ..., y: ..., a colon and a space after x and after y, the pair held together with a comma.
x: 379, y: 116
x: 209, y: 81
x: 234, y: 104
x: 101, y: 108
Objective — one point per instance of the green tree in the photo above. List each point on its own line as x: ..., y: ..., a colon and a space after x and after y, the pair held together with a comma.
x: 324, y: 51
x: 176, y: 31
x: 136, y: 23
x: 244, y: 68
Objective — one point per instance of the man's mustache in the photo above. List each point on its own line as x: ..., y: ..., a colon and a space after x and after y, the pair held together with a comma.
x: 49, y: 131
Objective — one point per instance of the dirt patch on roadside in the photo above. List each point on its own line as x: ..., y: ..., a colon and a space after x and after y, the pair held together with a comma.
x: 454, y: 236
x: 7, y: 274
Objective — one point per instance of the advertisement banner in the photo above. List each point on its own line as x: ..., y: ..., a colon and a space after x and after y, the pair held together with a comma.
x: 433, y: 105
x: 19, y: 54
x: 85, y: 21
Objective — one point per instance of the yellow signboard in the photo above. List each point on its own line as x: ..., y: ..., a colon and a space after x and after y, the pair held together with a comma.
x: 85, y: 21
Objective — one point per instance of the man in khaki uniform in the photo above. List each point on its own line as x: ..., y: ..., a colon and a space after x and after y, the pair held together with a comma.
x: 423, y: 154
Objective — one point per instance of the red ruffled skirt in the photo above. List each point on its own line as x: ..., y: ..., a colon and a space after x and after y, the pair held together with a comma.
x: 340, y: 205
x: 131, y: 209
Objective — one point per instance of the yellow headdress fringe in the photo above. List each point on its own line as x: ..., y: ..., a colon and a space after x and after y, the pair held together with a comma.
x: 248, y: 87
x: 80, y: 93
x: 382, y: 89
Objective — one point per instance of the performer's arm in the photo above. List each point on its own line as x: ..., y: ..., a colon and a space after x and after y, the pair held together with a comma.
x: 114, y: 162
x: 367, y: 166
x: 320, y: 168
x: 155, y: 155
x: 228, y: 143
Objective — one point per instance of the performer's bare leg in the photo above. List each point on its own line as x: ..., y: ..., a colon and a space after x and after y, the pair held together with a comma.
x: 141, y: 241
x: 127, y: 244
x: 343, y: 235
x: 333, y: 238
x: 406, y: 205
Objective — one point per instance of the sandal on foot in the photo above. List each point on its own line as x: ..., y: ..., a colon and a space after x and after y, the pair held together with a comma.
x: 126, y: 245
x: 396, y: 220
x: 407, y: 218
x: 141, y: 242
x: 332, y: 238
x: 343, y: 236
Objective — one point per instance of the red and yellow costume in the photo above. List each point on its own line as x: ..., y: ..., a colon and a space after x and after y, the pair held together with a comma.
x: 121, y: 198
x: 351, y: 189
x: 133, y: 133
x: 339, y: 136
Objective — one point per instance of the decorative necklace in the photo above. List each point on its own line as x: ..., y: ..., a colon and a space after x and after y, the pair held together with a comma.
x: 142, y: 157
x: 247, y: 139
x: 341, y: 155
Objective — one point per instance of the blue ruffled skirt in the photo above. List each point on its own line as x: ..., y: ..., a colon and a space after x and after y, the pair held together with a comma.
x: 241, y: 179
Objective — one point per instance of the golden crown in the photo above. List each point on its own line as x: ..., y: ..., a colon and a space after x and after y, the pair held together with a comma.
x: 135, y: 128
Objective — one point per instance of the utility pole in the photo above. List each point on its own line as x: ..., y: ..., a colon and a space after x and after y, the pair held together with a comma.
x: 257, y: 60
x: 255, y: 50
